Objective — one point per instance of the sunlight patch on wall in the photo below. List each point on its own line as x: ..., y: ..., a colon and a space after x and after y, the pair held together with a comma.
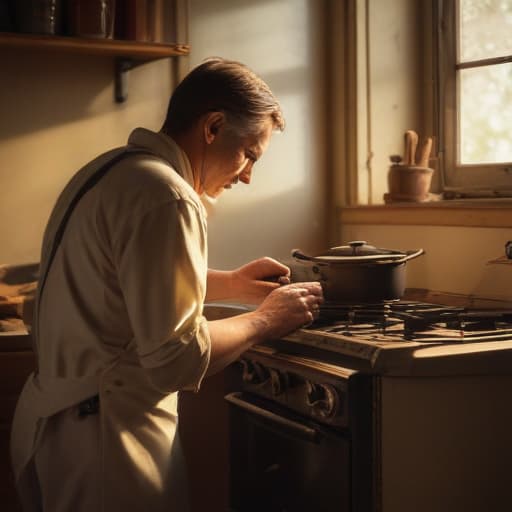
x: 247, y: 30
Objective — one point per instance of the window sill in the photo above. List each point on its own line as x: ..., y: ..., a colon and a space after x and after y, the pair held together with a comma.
x: 468, y: 213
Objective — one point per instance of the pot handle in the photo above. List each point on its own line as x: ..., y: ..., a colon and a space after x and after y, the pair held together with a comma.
x: 300, y: 256
x: 407, y: 257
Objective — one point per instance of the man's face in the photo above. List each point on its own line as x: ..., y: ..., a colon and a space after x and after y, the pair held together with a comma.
x: 229, y: 159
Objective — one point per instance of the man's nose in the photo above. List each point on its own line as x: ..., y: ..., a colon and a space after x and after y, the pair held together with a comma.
x: 245, y: 175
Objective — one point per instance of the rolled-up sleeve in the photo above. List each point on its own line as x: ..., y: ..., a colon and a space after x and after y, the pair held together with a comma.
x: 161, y: 257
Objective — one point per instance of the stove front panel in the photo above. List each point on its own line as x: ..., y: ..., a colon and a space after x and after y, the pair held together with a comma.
x: 301, y: 436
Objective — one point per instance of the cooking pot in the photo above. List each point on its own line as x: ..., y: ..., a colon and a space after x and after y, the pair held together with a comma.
x: 356, y: 272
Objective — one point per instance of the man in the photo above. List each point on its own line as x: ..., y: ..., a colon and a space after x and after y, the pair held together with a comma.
x: 118, y: 322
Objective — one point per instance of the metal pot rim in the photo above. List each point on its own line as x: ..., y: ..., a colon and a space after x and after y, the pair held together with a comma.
x: 380, y: 259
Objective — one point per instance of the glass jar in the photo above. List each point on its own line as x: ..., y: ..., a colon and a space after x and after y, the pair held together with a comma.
x: 91, y: 18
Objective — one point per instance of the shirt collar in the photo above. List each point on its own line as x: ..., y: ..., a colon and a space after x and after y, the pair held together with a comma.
x: 163, y: 146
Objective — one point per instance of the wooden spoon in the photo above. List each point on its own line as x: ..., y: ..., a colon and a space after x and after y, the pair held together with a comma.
x: 426, y: 148
x: 411, y: 143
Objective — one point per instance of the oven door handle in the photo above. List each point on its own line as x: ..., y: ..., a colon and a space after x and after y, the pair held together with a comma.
x: 306, y: 432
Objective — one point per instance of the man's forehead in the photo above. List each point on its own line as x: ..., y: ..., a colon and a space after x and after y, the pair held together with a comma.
x: 260, y: 141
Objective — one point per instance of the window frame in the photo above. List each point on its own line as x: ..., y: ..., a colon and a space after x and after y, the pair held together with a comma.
x: 457, y: 180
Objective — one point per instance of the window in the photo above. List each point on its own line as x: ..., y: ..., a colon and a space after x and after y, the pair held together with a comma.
x: 474, y: 96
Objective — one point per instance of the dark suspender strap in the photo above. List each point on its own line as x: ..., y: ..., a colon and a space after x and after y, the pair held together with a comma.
x: 86, y: 187
x: 89, y: 406
x: 60, y: 230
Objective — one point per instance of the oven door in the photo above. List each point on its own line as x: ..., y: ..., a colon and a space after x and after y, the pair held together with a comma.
x: 281, y: 462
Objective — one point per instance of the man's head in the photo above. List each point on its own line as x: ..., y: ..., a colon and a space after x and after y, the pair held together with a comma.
x: 219, y: 85
x: 222, y: 115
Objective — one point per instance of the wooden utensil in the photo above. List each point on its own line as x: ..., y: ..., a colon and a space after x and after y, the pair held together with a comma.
x: 411, y: 143
x: 425, y: 150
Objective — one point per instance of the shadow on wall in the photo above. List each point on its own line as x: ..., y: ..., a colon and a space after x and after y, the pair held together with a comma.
x: 268, y: 227
x: 40, y: 89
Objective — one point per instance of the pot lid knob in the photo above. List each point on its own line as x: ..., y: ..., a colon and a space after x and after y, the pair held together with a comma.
x: 355, y: 244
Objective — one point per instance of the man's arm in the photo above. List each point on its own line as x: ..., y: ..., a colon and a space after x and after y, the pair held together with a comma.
x: 250, y: 283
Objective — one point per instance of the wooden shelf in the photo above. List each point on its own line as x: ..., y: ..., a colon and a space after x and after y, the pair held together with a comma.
x: 128, y: 54
x: 107, y: 47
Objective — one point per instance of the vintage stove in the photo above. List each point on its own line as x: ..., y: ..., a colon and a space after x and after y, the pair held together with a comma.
x: 387, y: 407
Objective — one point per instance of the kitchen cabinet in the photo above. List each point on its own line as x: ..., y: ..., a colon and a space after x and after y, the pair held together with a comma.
x: 17, y: 361
x: 204, y: 434
x: 204, y: 430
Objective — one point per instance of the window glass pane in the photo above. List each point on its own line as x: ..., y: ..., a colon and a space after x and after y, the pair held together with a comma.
x: 486, y: 114
x: 485, y: 29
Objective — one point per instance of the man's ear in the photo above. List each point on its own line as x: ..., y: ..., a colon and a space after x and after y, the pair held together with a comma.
x: 212, y: 124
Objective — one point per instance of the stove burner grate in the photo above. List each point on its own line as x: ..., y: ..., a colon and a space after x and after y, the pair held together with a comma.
x: 414, y: 321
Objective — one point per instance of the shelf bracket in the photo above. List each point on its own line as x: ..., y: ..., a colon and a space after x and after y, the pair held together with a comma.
x: 122, y: 66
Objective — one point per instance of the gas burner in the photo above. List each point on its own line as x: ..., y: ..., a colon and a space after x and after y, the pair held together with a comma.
x: 330, y: 310
x: 431, y: 319
x: 346, y: 306
x: 351, y: 319
x: 413, y: 321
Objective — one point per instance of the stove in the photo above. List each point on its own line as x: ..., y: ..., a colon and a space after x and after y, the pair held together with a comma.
x: 389, y: 407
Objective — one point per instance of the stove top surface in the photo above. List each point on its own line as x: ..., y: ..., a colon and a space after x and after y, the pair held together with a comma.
x: 409, y: 336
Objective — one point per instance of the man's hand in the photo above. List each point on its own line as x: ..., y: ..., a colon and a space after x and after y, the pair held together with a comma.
x: 290, y: 307
x: 284, y: 310
x: 252, y: 282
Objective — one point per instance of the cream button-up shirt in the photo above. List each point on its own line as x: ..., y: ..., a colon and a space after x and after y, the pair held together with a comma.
x: 120, y: 315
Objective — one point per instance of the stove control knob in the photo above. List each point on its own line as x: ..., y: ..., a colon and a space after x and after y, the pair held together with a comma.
x: 248, y: 373
x: 322, y: 398
x: 253, y: 372
x: 278, y: 381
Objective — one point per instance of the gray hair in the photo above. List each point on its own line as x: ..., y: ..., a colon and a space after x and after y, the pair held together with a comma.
x: 219, y: 85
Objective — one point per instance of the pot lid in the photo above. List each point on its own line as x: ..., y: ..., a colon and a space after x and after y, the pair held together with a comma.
x: 359, y: 251
x: 359, y: 248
